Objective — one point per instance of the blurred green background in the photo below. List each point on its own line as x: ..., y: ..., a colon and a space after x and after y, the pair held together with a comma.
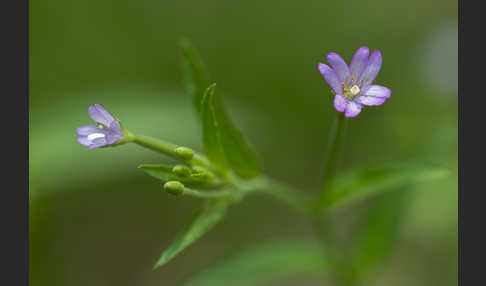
x: 97, y: 220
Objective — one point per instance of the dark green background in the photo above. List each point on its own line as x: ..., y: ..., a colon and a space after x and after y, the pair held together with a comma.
x: 97, y: 220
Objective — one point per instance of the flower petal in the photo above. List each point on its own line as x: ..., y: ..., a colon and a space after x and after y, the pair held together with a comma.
x: 98, y: 142
x: 339, y: 66
x: 100, y: 115
x: 84, y: 141
x: 113, y: 139
x: 85, y: 130
x: 370, y: 100
x: 115, y: 127
x: 376, y: 91
x: 352, y: 109
x: 358, y: 62
x: 331, y: 78
x: 372, y: 68
x: 340, y: 103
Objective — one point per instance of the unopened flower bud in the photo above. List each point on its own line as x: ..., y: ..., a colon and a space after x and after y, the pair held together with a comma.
x: 198, y: 170
x: 181, y: 170
x: 184, y: 153
x: 174, y: 187
x: 202, y: 173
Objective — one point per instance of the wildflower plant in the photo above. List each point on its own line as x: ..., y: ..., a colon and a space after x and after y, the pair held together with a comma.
x: 228, y: 170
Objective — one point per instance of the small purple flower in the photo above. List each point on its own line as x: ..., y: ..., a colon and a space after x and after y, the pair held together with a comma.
x: 107, y: 130
x: 352, y: 85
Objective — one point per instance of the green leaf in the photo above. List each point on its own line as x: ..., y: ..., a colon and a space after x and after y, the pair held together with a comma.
x: 211, y: 132
x: 195, y: 78
x: 211, y: 214
x: 361, y: 183
x: 223, y: 143
x: 264, y: 263
x: 164, y: 173
x: 159, y: 171
x: 376, y: 235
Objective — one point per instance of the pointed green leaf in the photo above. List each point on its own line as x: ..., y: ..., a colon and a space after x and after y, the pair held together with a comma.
x: 164, y: 173
x: 361, y: 183
x: 211, y: 132
x: 265, y: 263
x: 212, y: 213
x: 223, y: 143
x: 376, y: 235
x: 195, y: 78
x: 159, y: 171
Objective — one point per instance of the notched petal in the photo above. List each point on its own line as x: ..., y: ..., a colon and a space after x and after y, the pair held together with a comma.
x: 340, y: 103
x: 83, y: 141
x: 377, y: 91
x: 339, y: 66
x: 85, y: 130
x: 115, y: 127
x: 359, y: 62
x: 372, y: 68
x: 371, y: 100
x: 98, y: 142
x: 352, y: 109
x: 331, y: 78
x: 99, y: 114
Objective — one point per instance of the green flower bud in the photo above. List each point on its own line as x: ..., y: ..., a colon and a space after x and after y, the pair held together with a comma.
x: 184, y: 153
x: 181, y: 170
x: 174, y: 187
x: 202, y: 173
x: 198, y: 170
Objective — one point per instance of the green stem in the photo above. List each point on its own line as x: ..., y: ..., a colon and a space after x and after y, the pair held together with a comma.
x: 156, y: 145
x: 262, y: 184
x: 207, y: 195
x: 323, y: 224
x: 168, y: 149
x: 333, y: 153
x: 280, y: 191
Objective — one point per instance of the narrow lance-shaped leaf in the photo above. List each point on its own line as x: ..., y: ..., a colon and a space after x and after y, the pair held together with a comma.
x: 211, y: 132
x: 225, y: 143
x: 195, y: 77
x: 212, y: 213
x: 376, y: 235
x: 159, y: 171
x: 361, y: 183
x: 262, y: 264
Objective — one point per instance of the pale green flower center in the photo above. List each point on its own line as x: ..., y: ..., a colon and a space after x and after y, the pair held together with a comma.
x: 354, y: 90
x: 351, y: 92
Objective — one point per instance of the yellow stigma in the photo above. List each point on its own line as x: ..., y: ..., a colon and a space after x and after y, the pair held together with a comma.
x: 354, y: 90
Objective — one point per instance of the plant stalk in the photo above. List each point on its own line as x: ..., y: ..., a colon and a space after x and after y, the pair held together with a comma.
x: 168, y: 149
x: 333, y: 153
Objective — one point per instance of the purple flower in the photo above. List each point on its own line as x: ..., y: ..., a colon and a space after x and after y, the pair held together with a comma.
x: 107, y: 130
x: 352, y: 85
